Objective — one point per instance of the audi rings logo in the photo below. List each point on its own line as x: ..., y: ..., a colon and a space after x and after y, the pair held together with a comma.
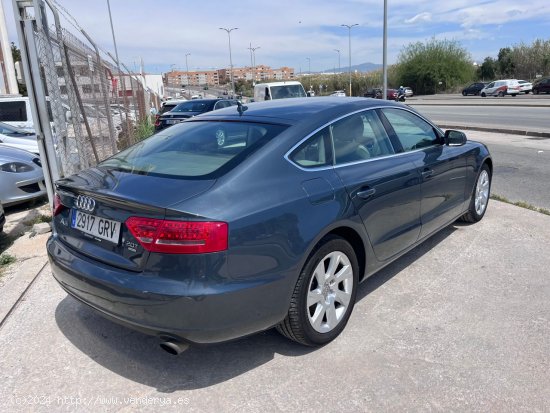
x: 85, y: 202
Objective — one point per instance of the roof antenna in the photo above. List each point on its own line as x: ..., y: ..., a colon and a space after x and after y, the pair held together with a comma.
x: 241, y: 108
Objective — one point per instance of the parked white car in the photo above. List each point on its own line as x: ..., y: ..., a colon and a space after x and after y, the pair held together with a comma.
x: 525, y: 86
x: 338, y: 93
x: 501, y: 88
x: 18, y: 138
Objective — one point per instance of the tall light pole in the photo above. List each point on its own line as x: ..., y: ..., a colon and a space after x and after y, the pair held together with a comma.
x: 349, y: 26
x: 253, y: 62
x: 309, y: 70
x: 338, y: 51
x: 188, y: 80
x: 385, y: 52
x: 230, y: 58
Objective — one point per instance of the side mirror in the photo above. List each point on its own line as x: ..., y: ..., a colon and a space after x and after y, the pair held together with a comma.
x: 455, y: 138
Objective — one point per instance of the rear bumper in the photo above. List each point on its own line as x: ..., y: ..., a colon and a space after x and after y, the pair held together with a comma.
x: 211, y: 311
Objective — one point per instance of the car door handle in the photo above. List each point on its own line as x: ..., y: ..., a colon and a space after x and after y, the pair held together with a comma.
x: 366, y: 193
x: 426, y: 173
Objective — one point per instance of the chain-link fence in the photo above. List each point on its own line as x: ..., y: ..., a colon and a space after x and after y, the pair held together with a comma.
x: 95, y: 108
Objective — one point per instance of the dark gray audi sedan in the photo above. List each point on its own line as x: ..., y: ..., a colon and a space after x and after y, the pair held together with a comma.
x: 260, y: 216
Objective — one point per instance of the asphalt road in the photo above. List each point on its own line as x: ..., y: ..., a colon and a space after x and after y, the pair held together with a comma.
x: 505, y: 115
x: 522, y: 166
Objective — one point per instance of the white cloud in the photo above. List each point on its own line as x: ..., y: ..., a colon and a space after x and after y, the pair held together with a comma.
x: 419, y: 18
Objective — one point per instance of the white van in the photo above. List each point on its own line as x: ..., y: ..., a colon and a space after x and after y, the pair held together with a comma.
x: 278, y: 90
x: 16, y: 111
x: 501, y: 88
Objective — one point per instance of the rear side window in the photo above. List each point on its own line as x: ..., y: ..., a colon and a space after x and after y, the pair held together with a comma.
x: 359, y: 137
x: 314, y: 152
x: 197, y: 150
x: 13, y: 111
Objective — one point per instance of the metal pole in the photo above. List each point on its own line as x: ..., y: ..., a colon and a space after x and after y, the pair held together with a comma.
x: 230, y: 58
x: 120, y: 78
x: 26, y: 27
x: 385, y: 52
x: 11, y: 82
x: 349, y: 26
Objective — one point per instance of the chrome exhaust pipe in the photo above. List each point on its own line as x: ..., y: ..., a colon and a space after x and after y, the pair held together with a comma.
x: 174, y: 347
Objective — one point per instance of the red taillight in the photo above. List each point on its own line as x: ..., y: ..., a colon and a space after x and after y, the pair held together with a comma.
x: 157, y: 120
x: 57, y: 205
x: 179, y: 237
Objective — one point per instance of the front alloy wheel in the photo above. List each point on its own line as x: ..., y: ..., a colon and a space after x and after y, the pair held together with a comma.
x: 480, y: 196
x: 324, y: 294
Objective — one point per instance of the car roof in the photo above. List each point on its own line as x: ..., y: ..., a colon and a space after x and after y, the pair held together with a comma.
x: 295, y: 110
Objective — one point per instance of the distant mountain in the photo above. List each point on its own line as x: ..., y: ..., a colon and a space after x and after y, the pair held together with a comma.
x: 363, y: 67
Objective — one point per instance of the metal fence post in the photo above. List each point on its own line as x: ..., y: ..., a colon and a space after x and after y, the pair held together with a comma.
x: 26, y: 29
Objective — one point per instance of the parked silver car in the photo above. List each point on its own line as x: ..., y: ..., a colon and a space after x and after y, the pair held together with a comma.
x: 21, y: 177
x: 18, y: 138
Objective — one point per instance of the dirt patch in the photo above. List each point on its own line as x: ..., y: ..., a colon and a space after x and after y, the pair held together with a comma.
x: 17, y: 241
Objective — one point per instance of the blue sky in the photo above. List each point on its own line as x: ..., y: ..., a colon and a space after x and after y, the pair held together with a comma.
x: 288, y: 32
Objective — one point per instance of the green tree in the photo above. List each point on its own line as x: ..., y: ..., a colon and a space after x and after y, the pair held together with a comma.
x: 506, y: 64
x: 433, y: 66
x: 487, y: 70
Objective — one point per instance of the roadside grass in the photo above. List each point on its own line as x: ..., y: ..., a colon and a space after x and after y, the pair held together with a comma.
x: 5, y: 260
x: 38, y: 219
x: 521, y: 204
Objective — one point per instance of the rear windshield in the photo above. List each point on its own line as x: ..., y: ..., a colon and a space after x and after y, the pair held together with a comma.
x: 167, y: 107
x: 197, y: 150
x: 194, y: 106
x: 287, y: 91
x: 13, y: 111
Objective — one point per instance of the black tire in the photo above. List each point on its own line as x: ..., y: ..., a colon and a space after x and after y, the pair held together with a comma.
x: 536, y: 91
x: 297, y: 325
x: 500, y: 94
x: 475, y: 215
x: 527, y: 92
x: 463, y: 93
x: 483, y: 95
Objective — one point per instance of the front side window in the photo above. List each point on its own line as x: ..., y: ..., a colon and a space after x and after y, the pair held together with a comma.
x: 198, y: 150
x: 412, y: 131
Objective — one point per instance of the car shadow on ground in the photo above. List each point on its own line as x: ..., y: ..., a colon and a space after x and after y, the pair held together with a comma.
x: 139, y: 358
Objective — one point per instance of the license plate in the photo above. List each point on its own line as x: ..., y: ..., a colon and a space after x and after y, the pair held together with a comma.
x: 102, y: 228
x: 172, y: 121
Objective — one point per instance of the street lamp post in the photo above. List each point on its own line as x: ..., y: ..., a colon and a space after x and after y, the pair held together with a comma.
x: 253, y: 62
x: 230, y: 58
x: 349, y: 26
x: 338, y: 51
x: 188, y: 81
x: 309, y: 70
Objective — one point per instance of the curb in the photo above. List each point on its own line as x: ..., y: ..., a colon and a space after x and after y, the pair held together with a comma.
x: 434, y: 103
x: 537, y: 134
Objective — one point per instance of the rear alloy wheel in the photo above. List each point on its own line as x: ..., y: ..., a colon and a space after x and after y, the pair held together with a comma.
x: 501, y: 94
x: 324, y: 295
x: 480, y: 196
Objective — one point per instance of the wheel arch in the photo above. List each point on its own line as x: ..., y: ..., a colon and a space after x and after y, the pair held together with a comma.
x: 352, y: 236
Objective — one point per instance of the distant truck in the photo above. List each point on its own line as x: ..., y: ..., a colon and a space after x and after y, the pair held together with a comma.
x: 278, y: 90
